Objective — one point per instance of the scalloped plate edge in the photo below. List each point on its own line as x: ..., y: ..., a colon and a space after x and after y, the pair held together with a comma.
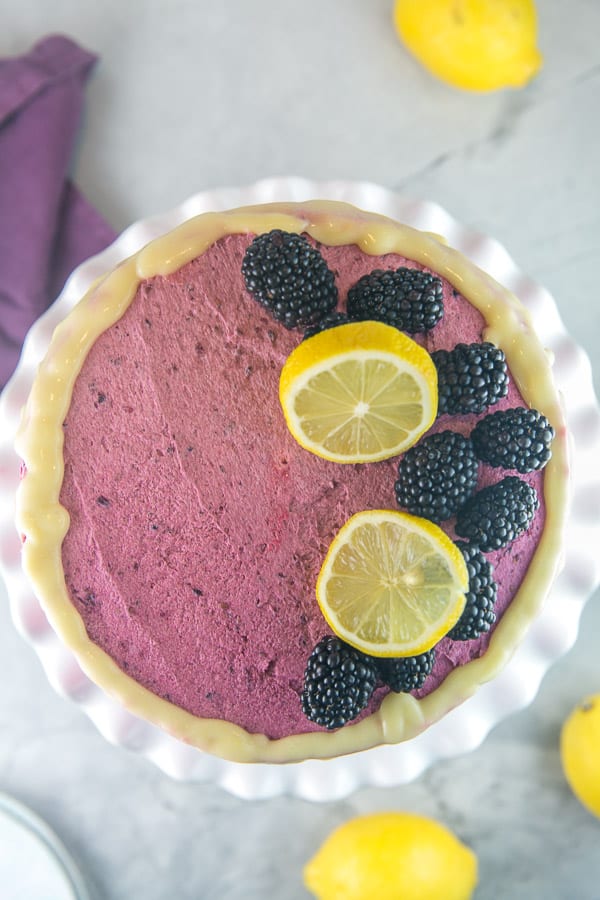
x: 465, y: 727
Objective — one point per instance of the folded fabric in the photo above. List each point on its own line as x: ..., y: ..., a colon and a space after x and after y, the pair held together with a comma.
x: 47, y: 227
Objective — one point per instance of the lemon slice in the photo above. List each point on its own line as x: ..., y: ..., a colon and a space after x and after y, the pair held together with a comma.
x: 358, y: 393
x: 392, y: 584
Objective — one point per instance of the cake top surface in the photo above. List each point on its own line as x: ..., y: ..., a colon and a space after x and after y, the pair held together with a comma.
x: 162, y: 418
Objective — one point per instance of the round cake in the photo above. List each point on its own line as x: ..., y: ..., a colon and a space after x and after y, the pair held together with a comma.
x: 174, y: 528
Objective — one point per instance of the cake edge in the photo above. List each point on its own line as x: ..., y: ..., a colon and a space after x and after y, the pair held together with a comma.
x: 43, y: 522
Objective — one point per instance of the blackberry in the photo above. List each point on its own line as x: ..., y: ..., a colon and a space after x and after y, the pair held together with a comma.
x: 409, y: 299
x: 514, y: 439
x: 338, y: 683
x: 331, y: 320
x: 437, y: 476
x: 498, y: 514
x: 471, y: 377
x: 408, y: 673
x: 290, y: 278
x: 478, y: 615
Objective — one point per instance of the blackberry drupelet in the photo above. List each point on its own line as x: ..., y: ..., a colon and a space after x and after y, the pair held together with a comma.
x: 338, y: 683
x: 498, y: 514
x: 478, y: 615
x: 290, y: 278
x: 409, y: 299
x: 331, y: 320
x: 407, y: 673
x: 437, y: 476
x: 514, y: 439
x: 471, y: 377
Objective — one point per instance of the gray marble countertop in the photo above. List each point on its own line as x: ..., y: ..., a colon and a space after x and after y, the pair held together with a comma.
x: 194, y: 94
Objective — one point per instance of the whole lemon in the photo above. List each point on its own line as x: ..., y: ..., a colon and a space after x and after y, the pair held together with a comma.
x: 479, y: 45
x: 387, y: 856
x: 580, y: 752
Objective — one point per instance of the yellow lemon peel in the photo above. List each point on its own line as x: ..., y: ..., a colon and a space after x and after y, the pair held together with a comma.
x: 477, y: 45
x: 580, y: 752
x: 388, y: 855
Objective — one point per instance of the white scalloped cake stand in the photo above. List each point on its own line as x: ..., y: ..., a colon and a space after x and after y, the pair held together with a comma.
x: 464, y: 728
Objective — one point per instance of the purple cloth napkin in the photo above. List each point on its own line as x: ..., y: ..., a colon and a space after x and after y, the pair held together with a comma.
x: 46, y: 226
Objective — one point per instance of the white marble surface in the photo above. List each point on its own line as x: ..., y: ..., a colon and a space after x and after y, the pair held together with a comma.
x: 190, y: 95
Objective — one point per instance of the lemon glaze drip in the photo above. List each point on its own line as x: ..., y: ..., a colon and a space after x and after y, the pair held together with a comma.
x: 43, y: 522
